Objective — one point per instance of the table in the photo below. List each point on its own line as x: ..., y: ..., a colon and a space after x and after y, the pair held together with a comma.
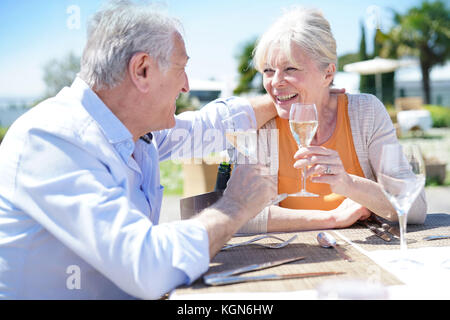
x: 371, y: 269
x: 414, y: 118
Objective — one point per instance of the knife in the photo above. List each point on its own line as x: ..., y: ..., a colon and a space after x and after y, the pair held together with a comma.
x: 382, y: 235
x: 436, y: 237
x: 252, y: 267
x: 217, y: 281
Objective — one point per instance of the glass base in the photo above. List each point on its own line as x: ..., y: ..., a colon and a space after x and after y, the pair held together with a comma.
x: 304, y: 193
x: 404, y: 262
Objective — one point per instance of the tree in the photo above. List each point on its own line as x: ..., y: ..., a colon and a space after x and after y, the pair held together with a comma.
x: 346, y: 59
x: 366, y: 82
x: 60, y: 73
x: 249, y: 78
x: 387, y: 79
x: 423, y: 32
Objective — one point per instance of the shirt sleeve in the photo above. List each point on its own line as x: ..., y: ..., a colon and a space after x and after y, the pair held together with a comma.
x: 84, y: 204
x: 199, y: 133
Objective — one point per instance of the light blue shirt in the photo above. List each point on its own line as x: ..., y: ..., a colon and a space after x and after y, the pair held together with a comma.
x: 79, y: 214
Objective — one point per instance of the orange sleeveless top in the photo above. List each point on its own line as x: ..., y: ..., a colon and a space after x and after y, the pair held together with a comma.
x: 289, y: 178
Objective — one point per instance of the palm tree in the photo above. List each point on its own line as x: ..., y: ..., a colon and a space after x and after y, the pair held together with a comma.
x: 423, y: 32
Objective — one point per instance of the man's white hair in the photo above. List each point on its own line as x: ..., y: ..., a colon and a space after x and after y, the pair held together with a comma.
x: 117, y: 32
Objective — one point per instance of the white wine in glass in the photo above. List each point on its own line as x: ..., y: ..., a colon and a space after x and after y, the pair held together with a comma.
x: 303, y: 123
x: 402, y: 176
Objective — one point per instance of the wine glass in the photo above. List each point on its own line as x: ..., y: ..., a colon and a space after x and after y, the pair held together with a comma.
x: 303, y: 123
x: 402, y: 176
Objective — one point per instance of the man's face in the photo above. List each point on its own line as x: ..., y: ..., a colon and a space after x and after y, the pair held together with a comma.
x: 169, y: 84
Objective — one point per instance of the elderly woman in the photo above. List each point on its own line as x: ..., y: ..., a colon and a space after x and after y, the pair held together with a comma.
x: 297, y: 59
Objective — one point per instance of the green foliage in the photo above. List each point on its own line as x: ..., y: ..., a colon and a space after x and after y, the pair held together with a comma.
x: 423, y: 31
x: 185, y: 103
x: 249, y: 78
x: 346, y: 59
x: 2, y: 132
x: 440, y: 115
x: 435, y: 181
x: 366, y: 82
x: 171, y: 177
x: 60, y: 73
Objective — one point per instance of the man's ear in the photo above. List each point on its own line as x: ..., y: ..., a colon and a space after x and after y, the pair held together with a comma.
x: 140, y: 70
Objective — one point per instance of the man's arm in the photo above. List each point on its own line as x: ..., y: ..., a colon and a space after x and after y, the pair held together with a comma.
x: 85, y: 204
x: 264, y: 109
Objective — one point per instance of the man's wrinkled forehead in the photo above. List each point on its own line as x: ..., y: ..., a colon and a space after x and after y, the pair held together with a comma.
x: 179, y: 55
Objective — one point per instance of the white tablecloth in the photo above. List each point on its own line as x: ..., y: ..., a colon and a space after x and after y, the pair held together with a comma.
x: 411, y: 118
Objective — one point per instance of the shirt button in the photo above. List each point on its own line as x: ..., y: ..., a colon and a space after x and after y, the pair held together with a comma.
x: 128, y: 145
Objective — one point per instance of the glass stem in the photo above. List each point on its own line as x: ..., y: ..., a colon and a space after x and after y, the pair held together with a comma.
x: 304, y: 179
x: 402, y: 222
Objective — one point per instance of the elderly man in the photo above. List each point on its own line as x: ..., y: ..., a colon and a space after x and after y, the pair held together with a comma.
x: 80, y: 194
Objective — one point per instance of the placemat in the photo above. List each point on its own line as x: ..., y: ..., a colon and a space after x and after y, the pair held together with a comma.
x: 435, y: 224
x: 317, y: 259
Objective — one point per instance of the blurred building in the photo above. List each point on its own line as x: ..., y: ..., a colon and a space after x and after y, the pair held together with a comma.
x: 408, y: 83
x: 208, y: 90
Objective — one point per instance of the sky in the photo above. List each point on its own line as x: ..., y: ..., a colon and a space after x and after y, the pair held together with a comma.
x: 33, y: 32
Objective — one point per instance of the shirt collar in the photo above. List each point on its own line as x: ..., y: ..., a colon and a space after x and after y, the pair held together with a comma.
x: 114, y: 130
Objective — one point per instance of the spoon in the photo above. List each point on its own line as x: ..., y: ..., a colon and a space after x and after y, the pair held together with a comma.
x: 326, y: 240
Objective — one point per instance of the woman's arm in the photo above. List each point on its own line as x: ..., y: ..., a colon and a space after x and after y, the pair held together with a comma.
x: 286, y: 220
x: 326, y: 167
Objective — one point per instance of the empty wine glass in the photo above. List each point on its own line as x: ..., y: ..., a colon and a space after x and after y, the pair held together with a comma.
x: 402, y: 176
x: 303, y: 123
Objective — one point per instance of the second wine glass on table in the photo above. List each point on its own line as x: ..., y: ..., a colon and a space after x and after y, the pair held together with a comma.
x: 402, y: 176
x: 303, y: 122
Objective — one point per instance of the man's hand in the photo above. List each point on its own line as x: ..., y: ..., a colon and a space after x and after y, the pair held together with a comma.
x: 249, y: 190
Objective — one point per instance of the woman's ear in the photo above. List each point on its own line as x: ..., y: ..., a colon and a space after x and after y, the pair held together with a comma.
x: 140, y: 69
x: 329, y: 74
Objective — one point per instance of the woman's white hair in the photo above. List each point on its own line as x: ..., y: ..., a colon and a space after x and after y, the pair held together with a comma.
x: 304, y: 27
x: 116, y: 33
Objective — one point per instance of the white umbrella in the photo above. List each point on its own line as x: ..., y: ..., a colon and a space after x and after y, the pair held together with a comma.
x: 377, y: 66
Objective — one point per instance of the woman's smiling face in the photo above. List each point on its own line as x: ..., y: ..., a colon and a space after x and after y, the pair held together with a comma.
x: 292, y: 80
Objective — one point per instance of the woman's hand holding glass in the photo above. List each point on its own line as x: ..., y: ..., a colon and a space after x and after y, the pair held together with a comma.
x: 325, y: 166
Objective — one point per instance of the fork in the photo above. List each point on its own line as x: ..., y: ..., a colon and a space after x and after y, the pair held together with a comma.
x: 270, y: 246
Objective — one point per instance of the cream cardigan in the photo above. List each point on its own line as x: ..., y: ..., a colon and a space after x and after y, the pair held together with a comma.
x: 371, y: 129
